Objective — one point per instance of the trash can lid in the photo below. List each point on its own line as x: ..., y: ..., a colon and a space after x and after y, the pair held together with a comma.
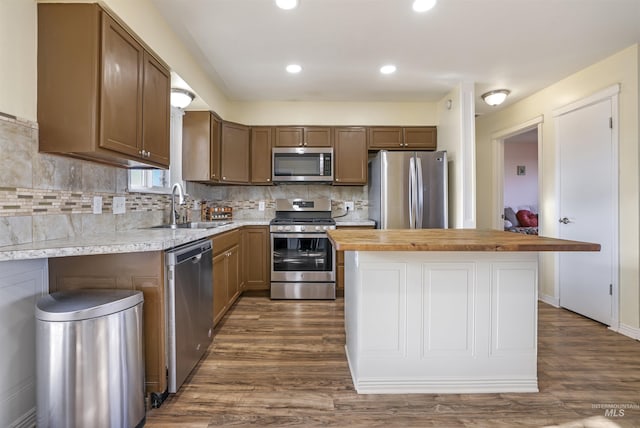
x: 77, y: 305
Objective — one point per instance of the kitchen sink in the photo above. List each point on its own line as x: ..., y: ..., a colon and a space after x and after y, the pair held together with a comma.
x: 193, y: 225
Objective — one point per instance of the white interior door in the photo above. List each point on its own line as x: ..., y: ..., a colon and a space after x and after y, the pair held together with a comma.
x: 588, y: 205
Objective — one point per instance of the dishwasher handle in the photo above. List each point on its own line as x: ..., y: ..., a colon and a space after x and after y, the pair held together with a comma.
x: 189, y: 252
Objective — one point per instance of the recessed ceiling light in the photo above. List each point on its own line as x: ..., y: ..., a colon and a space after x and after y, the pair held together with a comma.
x: 294, y: 68
x: 388, y: 69
x: 287, y: 4
x: 423, y: 5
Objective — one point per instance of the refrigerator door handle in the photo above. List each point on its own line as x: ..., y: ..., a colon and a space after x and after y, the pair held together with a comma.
x: 419, y: 194
x: 412, y: 190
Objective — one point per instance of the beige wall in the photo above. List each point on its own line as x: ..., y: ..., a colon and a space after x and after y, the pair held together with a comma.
x: 18, y: 58
x: 619, y: 68
x: 333, y: 113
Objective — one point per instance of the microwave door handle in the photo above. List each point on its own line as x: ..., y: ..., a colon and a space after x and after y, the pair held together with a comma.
x: 321, y: 169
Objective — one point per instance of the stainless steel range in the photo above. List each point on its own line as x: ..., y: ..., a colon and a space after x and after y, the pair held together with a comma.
x: 303, y: 261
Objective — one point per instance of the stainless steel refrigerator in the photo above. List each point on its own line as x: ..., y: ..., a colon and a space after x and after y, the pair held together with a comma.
x: 408, y: 190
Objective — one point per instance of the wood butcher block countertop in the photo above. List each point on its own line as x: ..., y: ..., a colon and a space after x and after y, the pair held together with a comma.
x: 449, y: 240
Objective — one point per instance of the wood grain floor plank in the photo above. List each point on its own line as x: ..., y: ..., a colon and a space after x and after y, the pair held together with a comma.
x: 282, y: 363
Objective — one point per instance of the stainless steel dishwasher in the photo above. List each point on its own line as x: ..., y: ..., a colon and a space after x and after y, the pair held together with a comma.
x: 189, y: 308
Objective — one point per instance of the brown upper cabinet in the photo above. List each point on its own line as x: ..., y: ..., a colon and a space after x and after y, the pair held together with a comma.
x: 261, y: 137
x: 350, y: 155
x: 102, y: 94
x: 234, y: 153
x: 402, y: 138
x: 303, y: 136
x: 201, y: 146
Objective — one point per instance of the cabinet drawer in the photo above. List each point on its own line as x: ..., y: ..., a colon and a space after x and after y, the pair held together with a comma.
x: 225, y: 241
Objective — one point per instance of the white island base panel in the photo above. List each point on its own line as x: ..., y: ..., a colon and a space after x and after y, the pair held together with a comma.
x: 441, y: 322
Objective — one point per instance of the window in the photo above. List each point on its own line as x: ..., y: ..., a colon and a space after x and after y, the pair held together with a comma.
x: 149, y: 180
x: 161, y: 180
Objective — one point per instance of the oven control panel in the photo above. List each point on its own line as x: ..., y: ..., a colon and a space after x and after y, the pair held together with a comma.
x: 301, y: 228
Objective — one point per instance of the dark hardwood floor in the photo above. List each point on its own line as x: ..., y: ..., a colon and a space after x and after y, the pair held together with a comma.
x: 282, y: 363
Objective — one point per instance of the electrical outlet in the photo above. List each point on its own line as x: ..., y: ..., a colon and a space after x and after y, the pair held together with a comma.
x: 261, y: 206
x: 348, y: 205
x: 97, y: 204
x: 118, y: 205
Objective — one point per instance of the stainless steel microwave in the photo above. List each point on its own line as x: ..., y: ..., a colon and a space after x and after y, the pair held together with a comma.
x: 298, y: 164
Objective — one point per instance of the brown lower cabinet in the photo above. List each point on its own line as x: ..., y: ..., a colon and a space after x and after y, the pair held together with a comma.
x: 128, y: 271
x: 257, y: 257
x: 340, y: 259
x: 146, y: 272
x: 226, y: 272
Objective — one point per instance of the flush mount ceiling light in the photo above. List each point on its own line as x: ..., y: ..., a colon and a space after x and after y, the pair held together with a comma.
x: 423, y: 5
x: 181, y: 98
x: 287, y: 4
x: 497, y: 97
x: 388, y: 69
x: 294, y: 68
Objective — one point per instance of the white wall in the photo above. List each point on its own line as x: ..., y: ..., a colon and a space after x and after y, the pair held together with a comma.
x: 456, y: 135
x: 619, y: 68
x: 520, y: 190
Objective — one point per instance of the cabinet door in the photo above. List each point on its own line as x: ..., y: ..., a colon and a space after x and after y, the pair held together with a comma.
x: 234, y: 153
x: 220, y: 280
x: 255, y: 248
x: 350, y: 156
x: 385, y: 138
x: 215, y: 149
x: 261, y: 155
x: 292, y: 136
x: 196, y: 145
x: 315, y: 136
x: 420, y: 138
x: 156, y: 111
x: 121, y: 90
x: 233, y: 274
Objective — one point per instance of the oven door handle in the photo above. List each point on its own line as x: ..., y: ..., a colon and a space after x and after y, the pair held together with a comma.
x: 299, y: 235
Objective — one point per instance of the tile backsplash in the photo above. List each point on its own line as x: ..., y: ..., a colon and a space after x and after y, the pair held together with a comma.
x: 45, y: 196
x: 245, y: 200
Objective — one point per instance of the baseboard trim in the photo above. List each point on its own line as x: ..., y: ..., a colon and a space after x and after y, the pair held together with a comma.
x: 627, y: 330
x: 549, y: 300
x: 445, y: 386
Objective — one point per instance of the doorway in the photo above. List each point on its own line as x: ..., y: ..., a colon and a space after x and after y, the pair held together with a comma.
x: 517, y: 153
x: 520, y: 182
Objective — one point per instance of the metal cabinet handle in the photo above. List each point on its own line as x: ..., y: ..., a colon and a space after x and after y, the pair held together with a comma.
x: 564, y: 220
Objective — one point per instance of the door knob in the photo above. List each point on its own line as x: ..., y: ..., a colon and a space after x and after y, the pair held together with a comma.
x: 564, y: 220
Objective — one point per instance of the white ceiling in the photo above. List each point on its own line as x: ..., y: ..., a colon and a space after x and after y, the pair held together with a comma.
x: 522, y: 45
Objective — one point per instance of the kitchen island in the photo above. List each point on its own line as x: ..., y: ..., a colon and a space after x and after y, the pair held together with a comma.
x: 443, y: 310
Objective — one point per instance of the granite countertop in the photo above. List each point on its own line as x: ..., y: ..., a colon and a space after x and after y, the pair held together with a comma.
x: 449, y: 240
x: 129, y: 241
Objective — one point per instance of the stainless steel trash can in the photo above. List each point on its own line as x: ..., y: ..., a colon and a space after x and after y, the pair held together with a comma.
x: 90, y: 359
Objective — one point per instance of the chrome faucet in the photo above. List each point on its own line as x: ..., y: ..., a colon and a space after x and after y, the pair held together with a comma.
x: 174, y: 224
